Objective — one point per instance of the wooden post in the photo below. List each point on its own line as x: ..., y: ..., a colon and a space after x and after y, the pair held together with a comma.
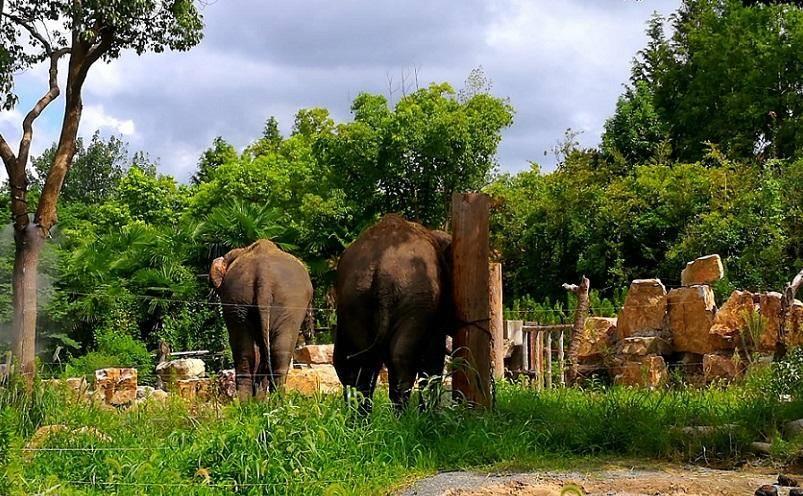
x: 531, y: 351
x: 516, y: 337
x: 472, y: 343
x: 561, y: 360
x: 539, y: 358
x: 497, y: 320
x: 580, y: 315
x: 548, y: 360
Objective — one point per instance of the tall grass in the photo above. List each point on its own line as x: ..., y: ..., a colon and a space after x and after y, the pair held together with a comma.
x: 297, y: 445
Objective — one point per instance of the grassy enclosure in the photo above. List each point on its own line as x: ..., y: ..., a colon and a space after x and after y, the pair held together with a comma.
x: 316, y: 445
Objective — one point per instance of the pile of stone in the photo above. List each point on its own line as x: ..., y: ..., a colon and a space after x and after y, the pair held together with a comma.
x: 683, y: 329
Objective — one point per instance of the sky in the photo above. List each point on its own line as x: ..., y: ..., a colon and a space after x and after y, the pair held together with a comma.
x: 562, y: 64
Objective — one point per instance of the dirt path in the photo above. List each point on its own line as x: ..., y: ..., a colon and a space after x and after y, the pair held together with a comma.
x: 666, y: 480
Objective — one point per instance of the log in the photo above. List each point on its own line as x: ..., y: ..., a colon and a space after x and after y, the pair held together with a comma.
x: 561, y: 360
x: 470, y: 276
x: 497, y: 322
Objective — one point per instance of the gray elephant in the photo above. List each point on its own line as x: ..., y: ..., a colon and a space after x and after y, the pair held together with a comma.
x: 393, y: 308
x: 266, y: 294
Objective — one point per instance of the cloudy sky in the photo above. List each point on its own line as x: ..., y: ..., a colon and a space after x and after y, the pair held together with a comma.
x: 561, y: 63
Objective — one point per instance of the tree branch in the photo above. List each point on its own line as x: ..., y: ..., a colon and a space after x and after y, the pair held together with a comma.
x: 25, y: 23
x: 52, y: 94
x: 7, y: 154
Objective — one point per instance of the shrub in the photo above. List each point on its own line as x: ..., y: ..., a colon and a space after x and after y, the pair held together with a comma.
x: 114, y: 350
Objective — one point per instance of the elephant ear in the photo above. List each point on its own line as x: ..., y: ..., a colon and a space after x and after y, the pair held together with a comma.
x: 217, y: 272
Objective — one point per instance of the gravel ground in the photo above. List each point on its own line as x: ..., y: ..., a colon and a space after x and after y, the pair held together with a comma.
x: 667, y: 480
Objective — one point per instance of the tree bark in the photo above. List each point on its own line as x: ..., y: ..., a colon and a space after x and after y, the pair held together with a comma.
x: 26, y: 262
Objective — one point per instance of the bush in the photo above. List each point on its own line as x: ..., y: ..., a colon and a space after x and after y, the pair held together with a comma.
x: 114, y: 350
x: 787, y: 374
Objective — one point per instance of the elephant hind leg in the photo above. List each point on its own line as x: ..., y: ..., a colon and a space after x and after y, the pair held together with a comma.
x: 245, y: 357
x: 283, y: 338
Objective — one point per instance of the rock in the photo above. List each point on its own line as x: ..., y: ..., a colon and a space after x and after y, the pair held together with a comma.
x: 770, y: 309
x: 761, y: 449
x: 731, y: 319
x: 158, y: 395
x: 794, y: 325
x: 195, y: 389
x: 786, y: 481
x: 319, y: 354
x: 690, y: 314
x: 650, y: 372
x: 596, y: 340
x: 309, y: 381
x: 793, y: 428
x: 77, y: 386
x: 144, y: 392
x: 117, y: 386
x: 703, y: 270
x: 43, y: 433
x: 643, y: 345
x: 179, y: 370
x: 226, y: 384
x: 721, y: 368
x: 706, y: 430
x: 643, y: 310
x: 766, y: 490
x: 796, y: 491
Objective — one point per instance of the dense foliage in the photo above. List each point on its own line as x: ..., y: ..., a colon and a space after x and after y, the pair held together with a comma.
x: 667, y: 184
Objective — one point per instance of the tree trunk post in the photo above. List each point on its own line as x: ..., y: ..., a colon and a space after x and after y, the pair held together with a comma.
x: 470, y: 277
x: 497, y: 322
x: 787, y: 302
x: 561, y: 360
x: 580, y: 315
x: 548, y: 352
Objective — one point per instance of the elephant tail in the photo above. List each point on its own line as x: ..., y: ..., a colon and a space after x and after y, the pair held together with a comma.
x: 382, y: 323
x: 265, y: 301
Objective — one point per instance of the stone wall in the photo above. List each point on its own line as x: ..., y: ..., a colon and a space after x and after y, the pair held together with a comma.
x: 683, y: 329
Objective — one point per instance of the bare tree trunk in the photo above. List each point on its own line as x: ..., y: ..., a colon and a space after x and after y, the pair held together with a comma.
x: 580, y: 315
x: 787, y: 301
x: 26, y: 261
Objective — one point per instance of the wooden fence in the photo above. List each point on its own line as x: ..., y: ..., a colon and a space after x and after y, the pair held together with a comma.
x: 536, y: 349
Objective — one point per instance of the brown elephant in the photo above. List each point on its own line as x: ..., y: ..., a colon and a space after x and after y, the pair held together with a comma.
x: 394, y: 308
x: 266, y: 294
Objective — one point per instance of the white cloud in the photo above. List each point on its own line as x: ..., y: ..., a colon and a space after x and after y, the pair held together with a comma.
x: 95, y: 118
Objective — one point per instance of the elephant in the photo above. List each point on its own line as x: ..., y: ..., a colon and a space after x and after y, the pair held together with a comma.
x: 266, y: 295
x: 394, y: 308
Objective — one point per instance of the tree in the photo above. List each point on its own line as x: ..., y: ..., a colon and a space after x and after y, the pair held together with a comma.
x: 218, y: 154
x: 83, y: 31
x: 95, y: 172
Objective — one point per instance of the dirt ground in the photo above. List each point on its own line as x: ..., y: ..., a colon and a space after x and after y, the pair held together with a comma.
x: 667, y: 480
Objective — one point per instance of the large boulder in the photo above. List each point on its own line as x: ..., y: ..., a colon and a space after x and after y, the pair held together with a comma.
x: 689, y: 317
x: 643, y: 311
x: 650, y: 371
x: 117, y: 386
x: 309, y: 381
x: 315, y: 354
x: 731, y: 319
x: 179, y: 370
x: 794, y: 325
x: 704, y: 270
x: 643, y: 346
x: 770, y: 309
x: 597, y: 338
x: 721, y: 368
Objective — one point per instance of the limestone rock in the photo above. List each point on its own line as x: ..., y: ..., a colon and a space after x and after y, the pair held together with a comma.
x: 770, y: 309
x: 226, y: 384
x: 308, y: 381
x: 195, y: 389
x: 144, y: 392
x: 318, y: 354
x: 643, y: 310
x: 794, y: 325
x: 731, y: 318
x: 649, y: 372
x: 179, y: 370
x: 77, y: 386
x: 793, y: 428
x: 721, y: 368
x: 703, y: 270
x: 117, y: 386
x: 690, y: 314
x: 597, y: 338
x: 643, y: 345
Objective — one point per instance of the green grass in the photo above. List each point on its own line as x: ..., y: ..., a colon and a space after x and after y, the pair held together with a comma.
x: 298, y: 445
